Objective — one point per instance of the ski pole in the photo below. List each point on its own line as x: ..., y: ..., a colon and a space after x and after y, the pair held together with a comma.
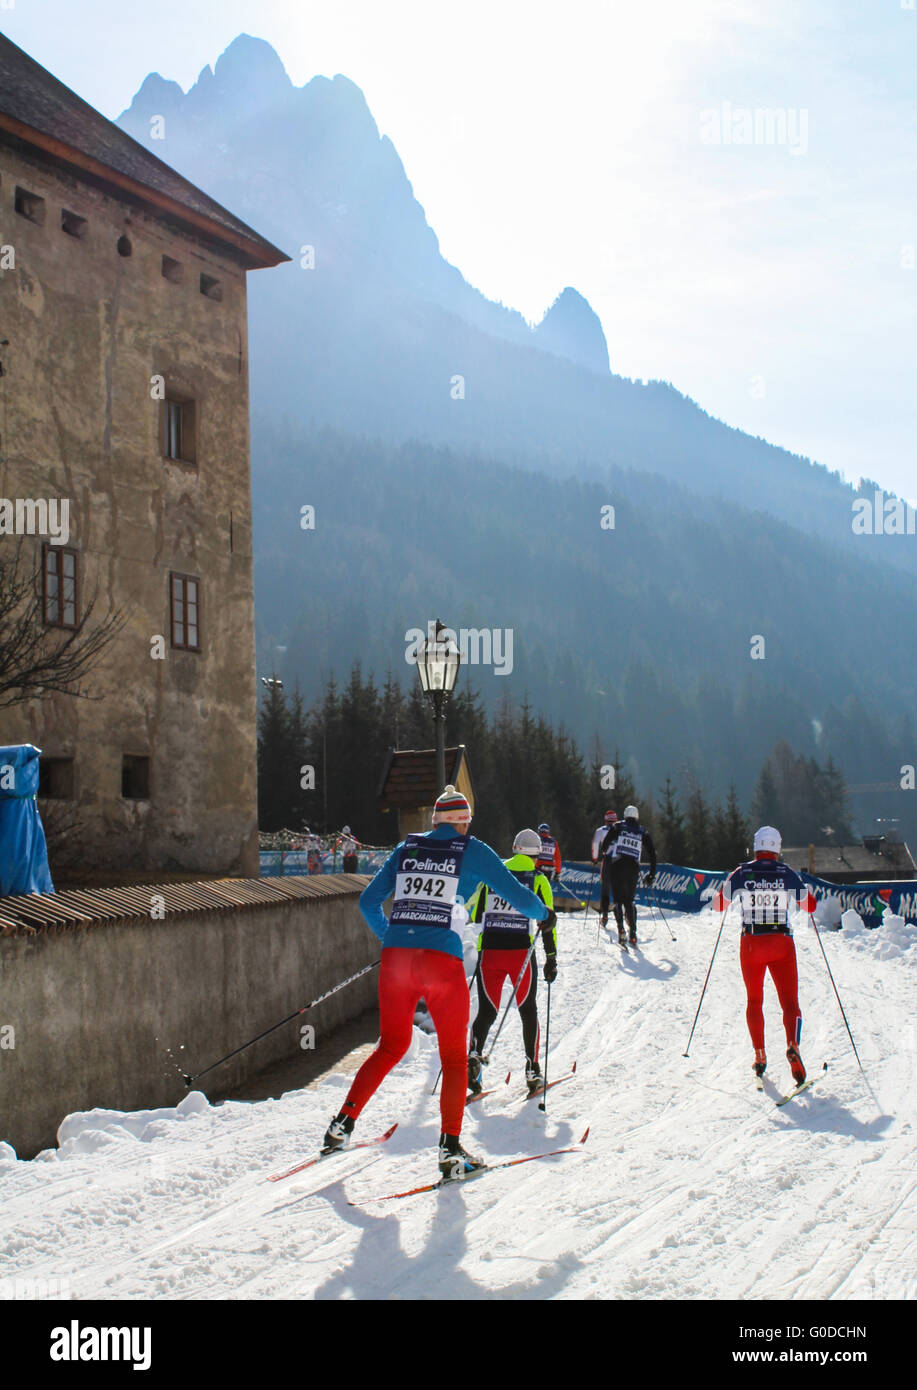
x: 836, y: 995
x: 485, y: 1059
x: 662, y: 915
x: 704, y: 990
x: 327, y: 995
x: 589, y: 896
x: 542, y: 1104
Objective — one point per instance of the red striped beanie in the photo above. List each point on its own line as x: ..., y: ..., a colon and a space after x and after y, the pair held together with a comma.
x: 451, y: 808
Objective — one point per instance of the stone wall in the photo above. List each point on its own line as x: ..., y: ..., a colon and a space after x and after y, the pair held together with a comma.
x: 109, y: 1013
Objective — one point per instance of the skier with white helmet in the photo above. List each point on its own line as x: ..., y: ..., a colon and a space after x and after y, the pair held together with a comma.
x: 623, y: 846
x: 766, y: 889
x: 504, y: 944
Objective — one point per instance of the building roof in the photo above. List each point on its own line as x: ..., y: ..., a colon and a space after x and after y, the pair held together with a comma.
x: 833, y: 860
x: 409, y: 776
x: 40, y: 113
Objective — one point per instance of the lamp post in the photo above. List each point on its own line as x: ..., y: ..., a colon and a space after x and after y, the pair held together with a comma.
x: 437, y: 664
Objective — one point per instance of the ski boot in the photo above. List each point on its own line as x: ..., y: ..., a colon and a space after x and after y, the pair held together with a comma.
x: 337, y: 1135
x: 795, y: 1061
x: 533, y: 1077
x: 474, y: 1074
x: 632, y: 936
x: 604, y: 919
x: 454, y: 1163
x: 759, y: 1066
x: 622, y: 937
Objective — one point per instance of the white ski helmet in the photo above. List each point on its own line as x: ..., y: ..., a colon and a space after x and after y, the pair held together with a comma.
x: 527, y: 842
x: 767, y: 840
x: 631, y: 813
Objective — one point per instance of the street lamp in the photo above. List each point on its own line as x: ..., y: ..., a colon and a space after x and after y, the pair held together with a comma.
x: 438, y: 662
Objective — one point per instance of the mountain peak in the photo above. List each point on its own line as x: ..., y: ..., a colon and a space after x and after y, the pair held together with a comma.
x: 571, y: 328
x: 253, y: 67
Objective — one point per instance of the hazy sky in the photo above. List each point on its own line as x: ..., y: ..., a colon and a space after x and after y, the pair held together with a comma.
x: 768, y: 268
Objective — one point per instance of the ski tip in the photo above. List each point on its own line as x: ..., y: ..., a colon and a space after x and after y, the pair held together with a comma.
x: 389, y: 1132
x: 586, y: 1135
x: 573, y: 1068
x: 509, y: 1074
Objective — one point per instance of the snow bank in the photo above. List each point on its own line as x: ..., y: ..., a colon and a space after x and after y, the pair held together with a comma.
x: 88, y: 1131
x: 896, y: 939
x: 828, y: 912
x: 7, y: 1154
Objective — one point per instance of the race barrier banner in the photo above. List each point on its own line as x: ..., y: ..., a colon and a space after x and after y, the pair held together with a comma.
x: 690, y: 890
x: 681, y: 889
x: 870, y: 900
x: 275, y: 863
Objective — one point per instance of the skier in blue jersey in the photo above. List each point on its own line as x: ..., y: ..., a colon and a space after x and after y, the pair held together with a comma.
x: 422, y: 958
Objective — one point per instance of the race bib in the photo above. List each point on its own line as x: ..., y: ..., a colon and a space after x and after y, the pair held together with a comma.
x: 426, y: 881
x: 629, y: 843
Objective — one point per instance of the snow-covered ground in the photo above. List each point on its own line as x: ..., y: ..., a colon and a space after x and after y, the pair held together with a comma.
x: 692, y: 1184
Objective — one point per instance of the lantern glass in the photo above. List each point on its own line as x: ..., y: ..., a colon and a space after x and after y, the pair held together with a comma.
x: 438, y: 663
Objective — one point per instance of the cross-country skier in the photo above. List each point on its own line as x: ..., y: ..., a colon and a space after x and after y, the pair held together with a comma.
x: 548, y: 859
x: 504, y: 944
x: 422, y: 957
x: 600, y: 833
x: 766, y: 887
x: 623, y: 845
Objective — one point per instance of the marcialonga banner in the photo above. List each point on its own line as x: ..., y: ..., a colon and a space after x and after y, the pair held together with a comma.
x: 690, y: 890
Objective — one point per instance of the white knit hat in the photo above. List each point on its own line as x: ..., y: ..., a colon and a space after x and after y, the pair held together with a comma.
x: 527, y: 842
x: 767, y: 840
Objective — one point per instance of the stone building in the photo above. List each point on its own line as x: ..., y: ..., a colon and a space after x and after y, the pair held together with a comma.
x: 124, y: 411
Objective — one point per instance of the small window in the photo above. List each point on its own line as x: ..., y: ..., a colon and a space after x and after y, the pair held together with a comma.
x: 171, y: 270
x: 59, y: 574
x: 135, y: 778
x: 178, y: 437
x: 30, y: 205
x: 212, y: 288
x: 124, y: 246
x: 73, y: 224
x: 55, y: 778
x: 185, y: 612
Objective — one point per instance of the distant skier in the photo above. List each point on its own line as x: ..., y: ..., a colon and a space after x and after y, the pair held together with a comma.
x: 766, y: 887
x: 623, y: 846
x: 548, y: 861
x: 597, y: 856
x: 422, y: 957
x: 504, y: 943
x: 349, y: 851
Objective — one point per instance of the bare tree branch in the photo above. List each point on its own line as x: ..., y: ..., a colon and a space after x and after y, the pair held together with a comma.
x: 37, y: 660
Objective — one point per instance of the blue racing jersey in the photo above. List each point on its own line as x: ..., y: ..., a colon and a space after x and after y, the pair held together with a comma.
x: 428, y: 874
x: 766, y: 889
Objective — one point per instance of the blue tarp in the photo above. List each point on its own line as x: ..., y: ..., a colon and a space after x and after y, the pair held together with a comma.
x: 23, y: 852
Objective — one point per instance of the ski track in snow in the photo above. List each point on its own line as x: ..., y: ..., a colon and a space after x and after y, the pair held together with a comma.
x: 692, y: 1185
